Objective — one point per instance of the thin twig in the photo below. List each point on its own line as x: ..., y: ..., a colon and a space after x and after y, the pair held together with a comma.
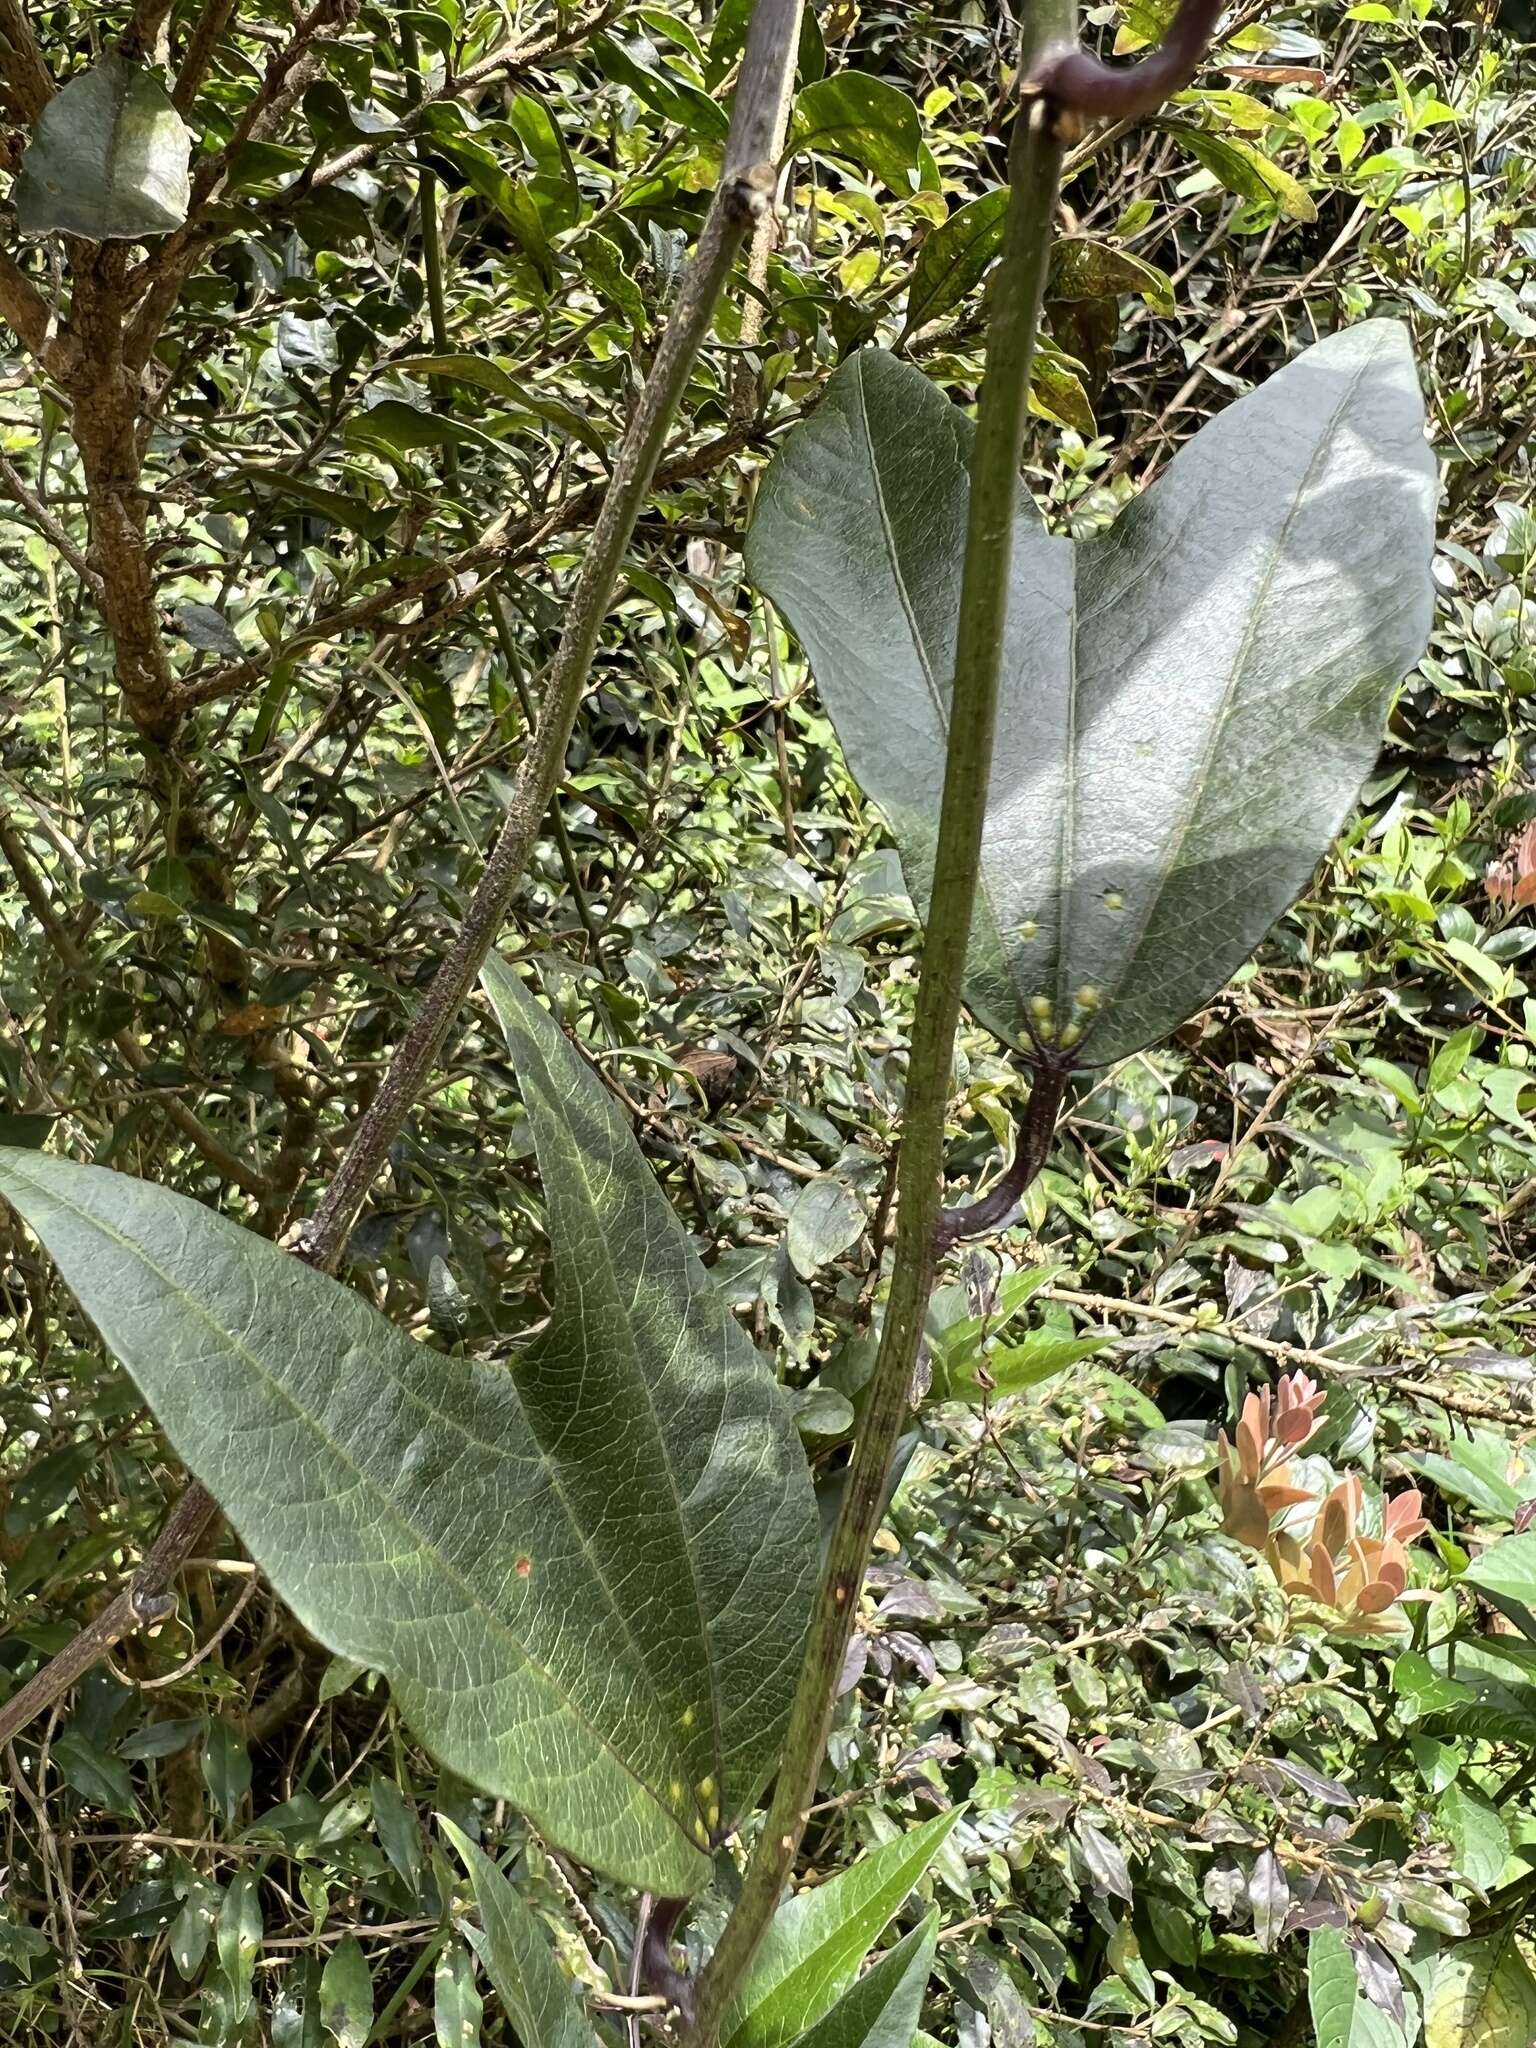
x: 746, y: 183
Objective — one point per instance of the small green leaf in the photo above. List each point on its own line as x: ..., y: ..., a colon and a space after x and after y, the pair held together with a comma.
x: 1422, y: 1690
x: 457, y: 2007
x: 1478, y: 1834
x: 1014, y: 1368
x: 1084, y: 269
x: 1104, y: 1860
x: 638, y: 64
x: 954, y: 257
x: 484, y: 173
x: 882, y: 2008
x: 205, y: 627
x: 192, y: 1929
x: 519, y: 1957
x: 1451, y: 1058
x: 107, y: 160
x: 226, y: 1768
x: 239, y: 1939
x: 346, y: 1994
x: 1507, y: 1575
x: 1475, y: 1469
x: 1247, y: 171
x: 399, y: 1834
x: 1394, y: 1080
x: 399, y: 429
x: 864, y: 121
x: 99, y: 1779
x: 825, y: 1218
x: 818, y: 1940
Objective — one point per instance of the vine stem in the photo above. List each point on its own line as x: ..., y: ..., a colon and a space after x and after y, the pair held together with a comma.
x: 744, y: 195
x: 1035, y: 161
x: 1031, y: 1147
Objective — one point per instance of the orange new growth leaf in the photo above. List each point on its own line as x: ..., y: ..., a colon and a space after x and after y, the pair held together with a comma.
x: 1511, y: 882
x: 1359, y: 1576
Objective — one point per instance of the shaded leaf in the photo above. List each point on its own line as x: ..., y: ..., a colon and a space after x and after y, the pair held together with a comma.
x: 824, y: 1219
x: 239, y: 1939
x: 107, y: 160
x: 204, y: 627
x: 346, y: 1994
x: 1273, y: 585
x: 519, y: 1957
x: 592, y: 1606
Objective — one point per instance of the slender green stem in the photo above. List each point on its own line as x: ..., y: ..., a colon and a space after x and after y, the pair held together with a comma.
x: 1035, y: 176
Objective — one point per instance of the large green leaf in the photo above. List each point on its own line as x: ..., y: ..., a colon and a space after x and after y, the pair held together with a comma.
x: 586, y: 1576
x: 863, y: 120
x: 1506, y: 1573
x: 107, y: 160
x: 881, y: 2009
x: 1482, y: 1995
x: 1191, y: 699
x: 519, y: 1957
x: 818, y: 1939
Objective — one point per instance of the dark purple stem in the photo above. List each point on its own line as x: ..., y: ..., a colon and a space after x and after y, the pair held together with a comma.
x: 1031, y: 1148
x: 656, y: 1966
x: 1077, y: 83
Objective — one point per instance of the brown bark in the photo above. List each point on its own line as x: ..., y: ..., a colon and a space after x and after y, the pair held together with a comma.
x: 27, y: 84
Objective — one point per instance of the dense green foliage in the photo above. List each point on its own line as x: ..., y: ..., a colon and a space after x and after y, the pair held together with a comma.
x: 353, y: 433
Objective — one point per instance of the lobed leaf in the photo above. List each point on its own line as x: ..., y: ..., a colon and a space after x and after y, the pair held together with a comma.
x: 1191, y: 700
x: 587, y: 1576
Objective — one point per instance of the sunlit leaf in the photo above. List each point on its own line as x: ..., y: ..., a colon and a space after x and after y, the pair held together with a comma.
x: 818, y: 1939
